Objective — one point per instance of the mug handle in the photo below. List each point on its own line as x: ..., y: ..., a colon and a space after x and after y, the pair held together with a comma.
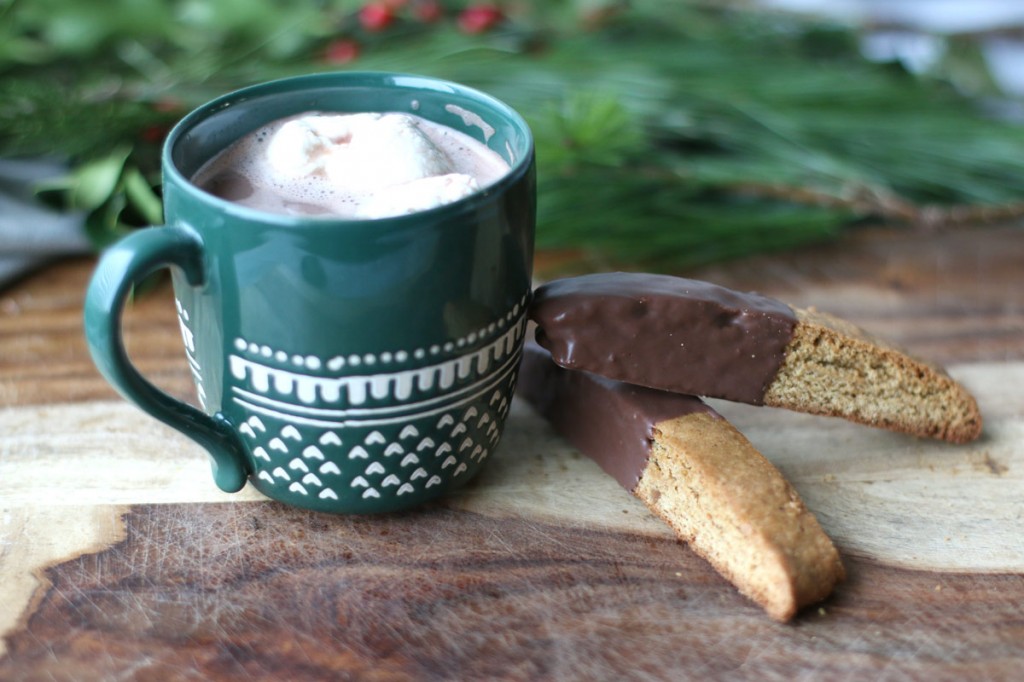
x: 121, y: 267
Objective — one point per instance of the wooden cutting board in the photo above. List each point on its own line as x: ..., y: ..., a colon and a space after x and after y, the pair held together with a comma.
x: 120, y: 559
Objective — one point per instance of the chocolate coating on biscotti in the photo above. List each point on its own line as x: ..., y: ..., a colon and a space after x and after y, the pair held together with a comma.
x: 695, y: 471
x: 609, y: 421
x: 665, y: 332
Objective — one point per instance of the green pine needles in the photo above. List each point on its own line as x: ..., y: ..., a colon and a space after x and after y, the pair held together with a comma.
x: 668, y: 134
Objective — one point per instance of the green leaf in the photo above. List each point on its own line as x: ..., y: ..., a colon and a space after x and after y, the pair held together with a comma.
x: 92, y: 184
x: 103, y: 225
x: 141, y: 197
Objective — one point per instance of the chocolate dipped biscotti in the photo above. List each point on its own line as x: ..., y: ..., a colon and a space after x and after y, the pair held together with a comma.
x: 696, y: 338
x: 698, y: 473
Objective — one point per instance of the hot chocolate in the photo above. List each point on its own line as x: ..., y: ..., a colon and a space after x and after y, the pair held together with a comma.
x: 366, y: 165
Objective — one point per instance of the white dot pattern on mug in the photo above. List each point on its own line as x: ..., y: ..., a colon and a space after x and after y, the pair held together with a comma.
x: 384, y: 358
x: 320, y: 462
x: 249, y: 365
x: 388, y: 432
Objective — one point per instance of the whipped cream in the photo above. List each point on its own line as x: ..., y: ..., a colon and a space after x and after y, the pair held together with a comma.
x: 366, y: 165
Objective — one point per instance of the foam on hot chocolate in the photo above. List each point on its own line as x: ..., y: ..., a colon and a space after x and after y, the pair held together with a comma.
x: 366, y: 165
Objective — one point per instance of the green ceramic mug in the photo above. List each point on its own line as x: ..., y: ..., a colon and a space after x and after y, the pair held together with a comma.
x: 342, y: 365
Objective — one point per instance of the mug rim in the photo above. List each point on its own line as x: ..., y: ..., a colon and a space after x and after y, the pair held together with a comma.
x: 389, y: 79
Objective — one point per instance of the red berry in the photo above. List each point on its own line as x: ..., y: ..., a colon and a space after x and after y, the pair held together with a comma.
x: 154, y: 134
x: 479, y: 18
x: 341, y: 51
x: 428, y: 11
x: 168, y: 105
x: 376, y: 16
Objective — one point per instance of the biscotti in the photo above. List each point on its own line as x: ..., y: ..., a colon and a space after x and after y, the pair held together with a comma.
x: 697, y: 338
x: 693, y: 469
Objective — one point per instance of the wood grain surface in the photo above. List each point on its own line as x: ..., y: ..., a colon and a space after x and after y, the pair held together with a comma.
x: 119, y: 559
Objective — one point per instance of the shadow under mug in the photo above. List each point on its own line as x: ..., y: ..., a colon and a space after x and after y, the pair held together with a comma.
x: 348, y: 366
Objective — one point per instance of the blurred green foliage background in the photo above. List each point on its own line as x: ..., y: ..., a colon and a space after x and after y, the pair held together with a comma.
x: 668, y: 134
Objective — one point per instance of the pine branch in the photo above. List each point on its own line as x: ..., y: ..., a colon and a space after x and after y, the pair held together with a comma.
x: 668, y: 134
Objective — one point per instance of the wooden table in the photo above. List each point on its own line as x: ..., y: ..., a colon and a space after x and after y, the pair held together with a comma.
x: 119, y: 559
